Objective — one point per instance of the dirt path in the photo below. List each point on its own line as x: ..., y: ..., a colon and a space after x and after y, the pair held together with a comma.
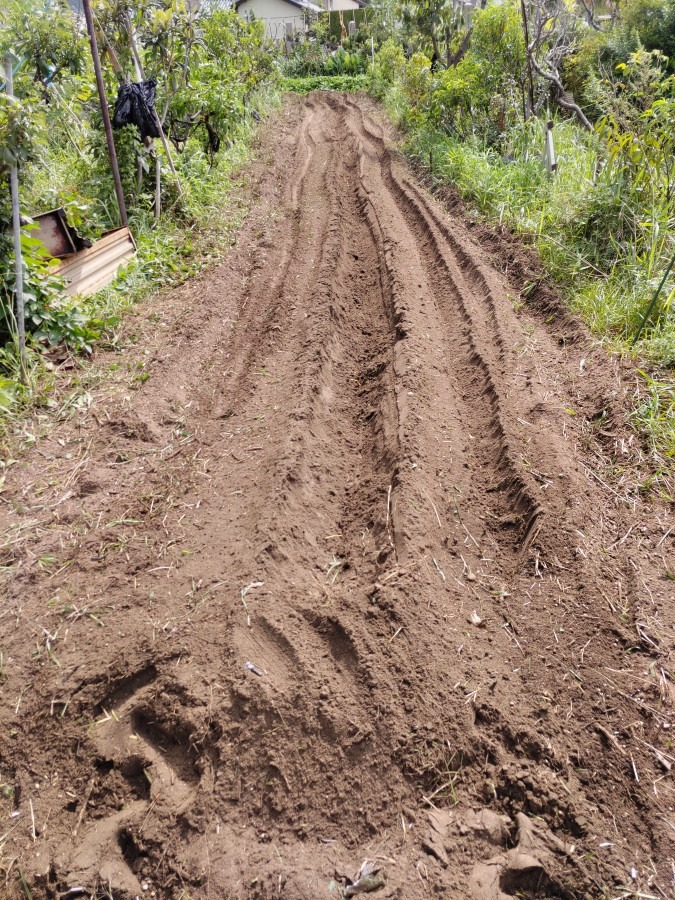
x: 344, y: 578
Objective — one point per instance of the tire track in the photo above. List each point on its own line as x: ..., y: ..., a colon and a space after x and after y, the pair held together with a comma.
x: 290, y: 675
x: 478, y: 392
x: 259, y: 334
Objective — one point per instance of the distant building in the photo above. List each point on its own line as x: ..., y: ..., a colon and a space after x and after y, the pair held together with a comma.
x: 338, y: 5
x: 282, y: 18
x: 285, y: 17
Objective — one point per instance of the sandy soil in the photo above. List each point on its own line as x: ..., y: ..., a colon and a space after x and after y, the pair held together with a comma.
x: 350, y: 576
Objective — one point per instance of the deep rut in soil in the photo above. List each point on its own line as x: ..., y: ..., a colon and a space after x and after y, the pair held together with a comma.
x: 334, y: 583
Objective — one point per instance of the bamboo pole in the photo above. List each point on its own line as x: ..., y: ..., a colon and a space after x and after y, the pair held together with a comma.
x: 158, y: 189
x: 18, y: 259
x: 105, y: 113
x: 140, y: 74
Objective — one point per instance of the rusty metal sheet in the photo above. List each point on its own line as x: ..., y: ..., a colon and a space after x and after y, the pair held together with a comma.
x: 90, y: 270
x: 53, y: 232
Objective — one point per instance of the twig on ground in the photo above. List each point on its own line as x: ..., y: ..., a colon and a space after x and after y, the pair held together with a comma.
x: 438, y: 518
x: 85, y: 801
x: 621, y: 540
x: 472, y: 537
x: 610, y: 738
x: 32, y: 820
x: 664, y: 537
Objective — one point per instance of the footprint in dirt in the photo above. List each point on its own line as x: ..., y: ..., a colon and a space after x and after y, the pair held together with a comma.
x: 151, y: 749
x: 139, y: 734
x: 313, y: 657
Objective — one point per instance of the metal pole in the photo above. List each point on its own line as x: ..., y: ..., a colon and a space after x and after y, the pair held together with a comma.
x: 106, y: 115
x: 549, y: 152
x: 18, y: 260
x: 653, y: 303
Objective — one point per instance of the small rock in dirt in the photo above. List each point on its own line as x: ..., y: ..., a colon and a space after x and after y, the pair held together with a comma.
x: 366, y: 885
x: 368, y: 879
x: 489, y: 824
x: 475, y: 619
x: 251, y: 667
x: 433, y: 843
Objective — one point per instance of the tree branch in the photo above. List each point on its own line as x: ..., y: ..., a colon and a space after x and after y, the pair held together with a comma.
x: 459, y: 54
x: 554, y: 78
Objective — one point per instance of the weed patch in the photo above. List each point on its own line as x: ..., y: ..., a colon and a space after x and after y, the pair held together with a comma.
x: 345, y: 83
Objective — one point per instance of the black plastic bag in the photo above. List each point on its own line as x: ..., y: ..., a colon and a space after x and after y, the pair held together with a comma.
x: 136, y: 106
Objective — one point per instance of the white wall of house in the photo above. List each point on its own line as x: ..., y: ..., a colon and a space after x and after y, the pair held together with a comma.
x: 275, y: 13
x: 334, y: 5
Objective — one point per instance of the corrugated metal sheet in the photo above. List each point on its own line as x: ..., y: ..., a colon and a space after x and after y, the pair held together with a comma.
x: 92, y: 269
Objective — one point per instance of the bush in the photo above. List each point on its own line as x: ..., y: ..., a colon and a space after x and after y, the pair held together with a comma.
x: 308, y: 58
x: 344, y: 62
x: 346, y: 83
x: 212, y: 72
x: 389, y: 63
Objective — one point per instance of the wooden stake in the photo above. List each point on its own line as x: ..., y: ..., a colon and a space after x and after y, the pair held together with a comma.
x: 105, y: 113
x: 140, y: 75
x: 158, y: 188
x: 18, y: 259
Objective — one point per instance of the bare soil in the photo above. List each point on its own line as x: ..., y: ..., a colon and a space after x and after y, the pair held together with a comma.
x: 354, y: 573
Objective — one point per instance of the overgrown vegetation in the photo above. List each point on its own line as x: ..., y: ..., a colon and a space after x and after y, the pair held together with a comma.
x: 345, y: 83
x: 472, y: 89
x: 474, y: 96
x: 215, y: 75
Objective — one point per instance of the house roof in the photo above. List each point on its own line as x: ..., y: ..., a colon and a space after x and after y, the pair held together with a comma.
x: 299, y: 4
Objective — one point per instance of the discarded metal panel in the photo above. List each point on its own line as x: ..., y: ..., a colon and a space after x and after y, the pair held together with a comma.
x: 92, y: 269
x: 54, y: 234
x: 57, y: 235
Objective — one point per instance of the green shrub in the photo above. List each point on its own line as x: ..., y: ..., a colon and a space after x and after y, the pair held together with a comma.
x: 389, y: 63
x: 346, y: 83
x: 345, y: 62
x: 308, y: 58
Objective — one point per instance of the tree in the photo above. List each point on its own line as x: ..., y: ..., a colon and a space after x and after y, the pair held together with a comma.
x: 435, y: 20
x: 553, y: 31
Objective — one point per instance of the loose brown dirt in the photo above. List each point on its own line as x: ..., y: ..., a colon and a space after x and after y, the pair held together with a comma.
x: 352, y: 575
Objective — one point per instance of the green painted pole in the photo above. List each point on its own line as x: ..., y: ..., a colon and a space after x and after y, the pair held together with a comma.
x: 653, y: 303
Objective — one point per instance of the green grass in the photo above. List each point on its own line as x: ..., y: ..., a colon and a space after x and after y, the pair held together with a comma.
x: 346, y: 83
x: 605, y: 253
x: 195, y: 234
x: 654, y: 415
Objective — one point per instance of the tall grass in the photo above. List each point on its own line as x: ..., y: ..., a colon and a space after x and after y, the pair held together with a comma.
x: 192, y: 235
x: 605, y: 251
